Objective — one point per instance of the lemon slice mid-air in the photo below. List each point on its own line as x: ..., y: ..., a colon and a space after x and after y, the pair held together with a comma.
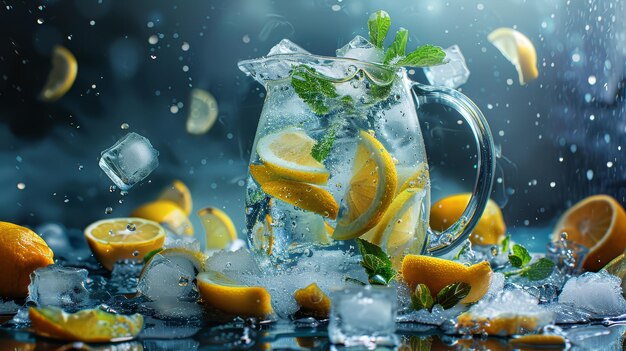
x: 178, y: 193
x: 62, y: 75
x: 287, y: 154
x: 116, y: 239
x: 228, y: 296
x: 519, y: 50
x: 219, y: 228
x: 92, y: 325
x: 202, y: 113
x: 168, y: 213
x: 372, y: 186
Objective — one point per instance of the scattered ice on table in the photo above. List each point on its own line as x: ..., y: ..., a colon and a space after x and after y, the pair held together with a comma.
x: 361, y: 49
x: 168, y: 277
x: 8, y: 307
x: 438, y: 316
x: 565, y: 313
x: 129, y: 160
x: 452, y: 74
x: 181, y: 241
x: 59, y: 286
x: 495, y: 286
x: 125, y: 275
x: 599, y: 293
x: 172, y: 308
x: 363, y: 316
x: 286, y: 46
x: 233, y: 263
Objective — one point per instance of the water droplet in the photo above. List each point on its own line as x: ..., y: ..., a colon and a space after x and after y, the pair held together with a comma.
x: 135, y: 253
x: 124, y: 126
x: 21, y: 186
x: 564, y: 236
x: 183, y: 281
x: 39, y: 20
x: 131, y: 227
x: 494, y: 250
x: 112, y: 188
x: 108, y: 210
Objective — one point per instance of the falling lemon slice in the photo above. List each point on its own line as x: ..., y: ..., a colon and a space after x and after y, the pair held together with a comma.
x: 62, y: 75
x: 178, y: 193
x: 287, y: 154
x: 228, y: 296
x: 92, y: 325
x: 312, y: 301
x: 519, y: 50
x: 168, y: 213
x: 371, y: 189
x: 202, y: 113
x: 116, y: 239
x: 219, y: 228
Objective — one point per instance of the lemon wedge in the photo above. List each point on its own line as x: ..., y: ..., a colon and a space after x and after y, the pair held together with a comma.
x: 219, y: 228
x: 92, y: 325
x: 202, y: 112
x: 178, y: 193
x: 312, y: 301
x: 287, y: 154
x: 168, y: 213
x: 62, y: 75
x: 413, y: 177
x: 519, y: 50
x: 231, y: 297
x: 116, y: 239
x: 372, y: 186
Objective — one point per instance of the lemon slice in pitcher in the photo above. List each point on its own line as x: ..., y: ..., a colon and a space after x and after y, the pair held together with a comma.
x: 371, y: 189
x: 287, y: 154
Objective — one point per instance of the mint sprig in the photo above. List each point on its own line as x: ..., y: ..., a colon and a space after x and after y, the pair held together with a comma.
x: 448, y: 297
x: 539, y: 270
x: 378, y: 25
x: 397, y: 49
x: 424, y: 56
x: 322, y: 147
x: 520, y: 256
x: 313, y: 90
x: 376, y: 263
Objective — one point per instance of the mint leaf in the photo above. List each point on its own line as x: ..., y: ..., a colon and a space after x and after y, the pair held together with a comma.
x: 522, y: 253
x: 313, y: 90
x: 365, y: 247
x: 452, y: 294
x: 376, y: 263
x: 538, y: 270
x: 378, y: 25
x: 380, y: 92
x: 397, y: 49
x: 421, y: 298
x: 322, y: 147
x: 424, y: 56
x: 506, y: 243
x: 515, y: 261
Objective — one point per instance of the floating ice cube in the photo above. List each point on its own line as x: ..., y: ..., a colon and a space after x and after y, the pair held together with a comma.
x: 452, y: 74
x: 361, y: 49
x: 124, y: 276
x: 363, y: 316
x: 286, y: 46
x: 59, y: 286
x: 129, y: 160
x: 168, y: 277
x: 599, y: 293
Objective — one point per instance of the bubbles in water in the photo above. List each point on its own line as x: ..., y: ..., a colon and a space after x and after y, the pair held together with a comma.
x: 131, y: 227
x: 185, y: 46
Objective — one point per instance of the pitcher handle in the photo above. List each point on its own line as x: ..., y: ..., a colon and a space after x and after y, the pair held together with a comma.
x: 485, y: 163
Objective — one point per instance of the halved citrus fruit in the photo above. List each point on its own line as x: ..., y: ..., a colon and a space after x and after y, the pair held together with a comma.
x: 617, y: 267
x: 372, y: 186
x: 219, y: 228
x: 178, y: 193
x: 202, y: 112
x: 287, y: 154
x: 598, y: 223
x: 490, y: 229
x: 93, y: 325
x: 437, y: 273
x: 116, y: 239
x: 519, y: 50
x: 62, y: 75
x: 168, y: 214
x: 228, y: 296
x: 312, y: 301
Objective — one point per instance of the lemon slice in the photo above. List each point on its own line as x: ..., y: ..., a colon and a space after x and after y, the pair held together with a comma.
x: 219, y: 228
x: 168, y: 213
x: 202, y: 113
x: 312, y: 301
x: 371, y: 189
x: 228, y: 296
x: 519, y: 50
x: 62, y: 75
x: 413, y: 177
x: 287, y: 154
x: 92, y: 325
x: 116, y: 239
x: 178, y: 193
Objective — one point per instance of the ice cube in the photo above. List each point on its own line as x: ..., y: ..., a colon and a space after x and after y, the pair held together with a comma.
x: 361, y: 49
x: 452, y: 74
x: 363, y: 316
x: 124, y: 276
x: 286, y: 46
x: 496, y: 285
x: 233, y: 263
x: 59, y: 286
x: 168, y: 277
x: 599, y: 293
x: 129, y: 160
x: 179, y: 241
x: 8, y: 307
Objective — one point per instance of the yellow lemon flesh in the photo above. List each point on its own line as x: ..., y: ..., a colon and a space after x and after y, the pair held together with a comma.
x: 617, y: 267
x: 412, y: 177
x: 312, y: 301
x: 219, y: 228
x: 490, y: 229
x: 372, y: 186
x: 437, y: 273
x: 288, y: 155
x: 519, y: 50
x: 202, y: 112
x: 92, y: 325
x: 226, y: 295
x: 116, y: 239
x: 168, y: 214
x: 178, y: 193
x: 62, y: 75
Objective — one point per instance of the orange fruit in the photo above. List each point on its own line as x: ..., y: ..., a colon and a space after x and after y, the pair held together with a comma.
x: 489, y: 230
x: 599, y: 223
x: 437, y: 273
x: 21, y: 252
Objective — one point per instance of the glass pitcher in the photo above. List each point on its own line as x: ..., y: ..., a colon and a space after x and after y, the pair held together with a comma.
x: 339, y: 154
